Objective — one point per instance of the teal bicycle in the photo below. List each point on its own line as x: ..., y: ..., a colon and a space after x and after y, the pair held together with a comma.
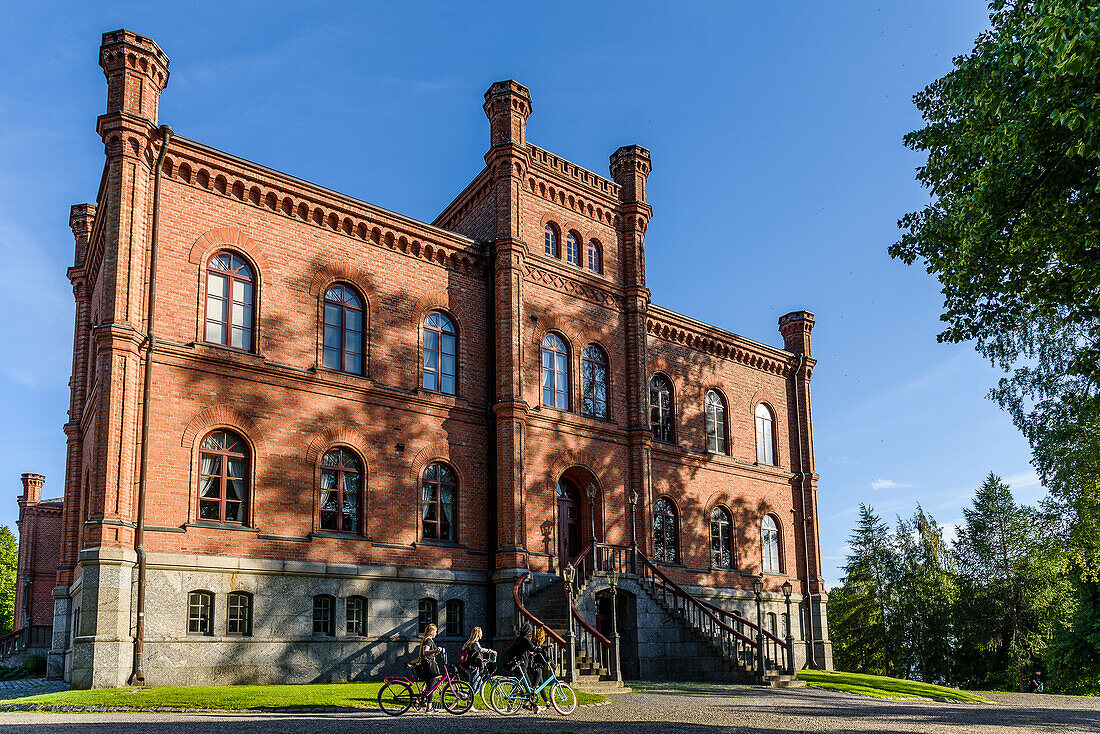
x: 508, y: 694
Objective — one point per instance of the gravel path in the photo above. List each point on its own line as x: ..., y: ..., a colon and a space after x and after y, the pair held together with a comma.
x: 744, y: 710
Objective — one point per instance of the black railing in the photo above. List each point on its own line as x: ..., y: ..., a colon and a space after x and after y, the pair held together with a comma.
x: 37, y: 635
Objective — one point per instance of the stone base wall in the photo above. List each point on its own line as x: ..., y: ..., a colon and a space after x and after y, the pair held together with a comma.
x: 282, y: 647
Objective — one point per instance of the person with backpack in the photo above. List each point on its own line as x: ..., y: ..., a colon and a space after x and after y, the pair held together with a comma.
x: 474, y: 659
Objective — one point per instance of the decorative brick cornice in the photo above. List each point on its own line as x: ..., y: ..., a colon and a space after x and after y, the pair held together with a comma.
x: 573, y: 200
x: 219, y: 174
x: 596, y: 186
x: 670, y: 326
x: 571, y: 286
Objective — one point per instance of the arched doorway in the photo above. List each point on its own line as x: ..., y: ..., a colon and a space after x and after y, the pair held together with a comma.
x: 570, y: 530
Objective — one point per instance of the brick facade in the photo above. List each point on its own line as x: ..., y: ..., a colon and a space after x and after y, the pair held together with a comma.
x: 39, y: 526
x: 482, y: 263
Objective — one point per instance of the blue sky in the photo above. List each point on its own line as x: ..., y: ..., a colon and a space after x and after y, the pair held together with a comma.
x: 778, y: 178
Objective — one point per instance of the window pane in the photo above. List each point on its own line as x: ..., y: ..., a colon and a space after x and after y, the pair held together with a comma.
x: 332, y: 358
x: 332, y: 315
x: 216, y: 285
x: 354, y: 364
x: 208, y: 510
x: 448, y: 385
x: 233, y: 512
x: 242, y: 315
x: 353, y: 342
x: 242, y: 338
x: 242, y: 292
x: 354, y: 320
x: 332, y: 336
x: 431, y: 381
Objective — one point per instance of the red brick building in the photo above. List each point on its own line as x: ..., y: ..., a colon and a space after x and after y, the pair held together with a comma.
x: 354, y: 423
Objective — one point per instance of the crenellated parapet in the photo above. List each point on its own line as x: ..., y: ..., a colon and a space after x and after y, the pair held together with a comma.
x: 673, y: 327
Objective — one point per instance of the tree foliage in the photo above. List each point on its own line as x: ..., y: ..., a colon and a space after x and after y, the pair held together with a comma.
x: 9, y: 559
x: 1013, y: 231
x: 976, y: 614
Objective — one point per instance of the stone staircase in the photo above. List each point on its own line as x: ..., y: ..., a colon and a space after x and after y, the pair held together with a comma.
x: 740, y: 670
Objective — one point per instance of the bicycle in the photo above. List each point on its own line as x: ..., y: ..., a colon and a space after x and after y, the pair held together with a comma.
x: 399, y: 693
x: 509, y: 693
x: 486, y: 676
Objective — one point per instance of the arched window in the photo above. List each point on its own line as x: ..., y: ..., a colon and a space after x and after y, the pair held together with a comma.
x: 660, y: 407
x: 343, y: 330
x: 721, y: 538
x: 455, y: 624
x: 573, y: 248
x: 356, y: 608
x: 341, y: 491
x: 438, y: 502
x: 551, y: 241
x: 769, y: 541
x: 716, y: 423
x: 223, y: 477
x: 595, y: 258
x: 324, y: 615
x: 200, y: 613
x: 594, y: 382
x: 425, y: 614
x: 555, y: 372
x: 440, y: 348
x: 230, y: 292
x: 238, y: 614
x: 765, y: 435
x: 664, y: 531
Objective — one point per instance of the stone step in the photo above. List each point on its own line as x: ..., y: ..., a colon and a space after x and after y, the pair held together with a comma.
x: 601, y: 687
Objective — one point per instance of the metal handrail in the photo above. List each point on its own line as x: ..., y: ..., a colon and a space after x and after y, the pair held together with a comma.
x: 527, y: 613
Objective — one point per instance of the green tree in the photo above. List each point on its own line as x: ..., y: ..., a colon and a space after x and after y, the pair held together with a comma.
x: 1015, y: 592
x: 1073, y: 656
x: 925, y: 594
x: 1013, y: 231
x: 9, y: 559
x: 859, y: 609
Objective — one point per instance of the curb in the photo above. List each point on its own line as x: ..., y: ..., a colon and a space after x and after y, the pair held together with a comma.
x: 63, y: 709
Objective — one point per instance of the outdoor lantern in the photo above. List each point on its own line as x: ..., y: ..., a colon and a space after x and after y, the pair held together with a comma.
x: 757, y: 585
x: 787, y: 588
x: 633, y: 497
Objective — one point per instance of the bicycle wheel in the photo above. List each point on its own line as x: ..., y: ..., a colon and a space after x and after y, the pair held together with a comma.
x: 458, y: 697
x: 563, y: 698
x: 486, y: 689
x: 395, y: 698
x: 506, y: 696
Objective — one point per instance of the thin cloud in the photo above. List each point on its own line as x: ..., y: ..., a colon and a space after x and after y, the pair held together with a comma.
x: 1023, y: 480
x: 888, y: 484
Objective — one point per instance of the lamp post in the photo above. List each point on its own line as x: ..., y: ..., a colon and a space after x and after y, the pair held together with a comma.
x: 592, y: 513
x: 787, y: 589
x: 570, y: 639
x: 758, y: 588
x: 616, y: 661
x: 633, y: 532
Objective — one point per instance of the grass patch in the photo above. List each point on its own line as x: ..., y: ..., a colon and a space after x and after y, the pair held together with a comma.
x: 230, y: 698
x: 882, y: 687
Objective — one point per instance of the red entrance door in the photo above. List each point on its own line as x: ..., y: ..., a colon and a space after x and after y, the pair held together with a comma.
x: 569, y: 521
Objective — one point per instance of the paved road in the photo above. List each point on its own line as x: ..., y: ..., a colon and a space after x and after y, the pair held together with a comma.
x: 743, y: 710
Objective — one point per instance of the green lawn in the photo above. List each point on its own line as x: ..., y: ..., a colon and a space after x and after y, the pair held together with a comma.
x: 230, y: 698
x: 883, y: 687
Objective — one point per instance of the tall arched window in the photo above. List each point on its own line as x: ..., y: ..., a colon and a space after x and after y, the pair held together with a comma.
x: 595, y: 259
x: 230, y: 291
x: 716, y: 423
x: 660, y: 407
x: 573, y: 248
x: 551, y: 241
x: 555, y: 372
x: 769, y: 541
x: 721, y: 538
x: 223, y: 477
x: 765, y: 435
x: 664, y: 531
x: 438, y: 502
x: 343, y: 330
x: 341, y: 491
x: 440, y: 348
x: 594, y: 381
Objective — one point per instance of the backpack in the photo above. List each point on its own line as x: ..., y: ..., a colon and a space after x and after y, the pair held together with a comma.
x: 464, y: 659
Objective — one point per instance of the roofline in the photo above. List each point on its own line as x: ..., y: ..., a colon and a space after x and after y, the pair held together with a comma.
x: 275, y: 173
x: 775, y: 351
